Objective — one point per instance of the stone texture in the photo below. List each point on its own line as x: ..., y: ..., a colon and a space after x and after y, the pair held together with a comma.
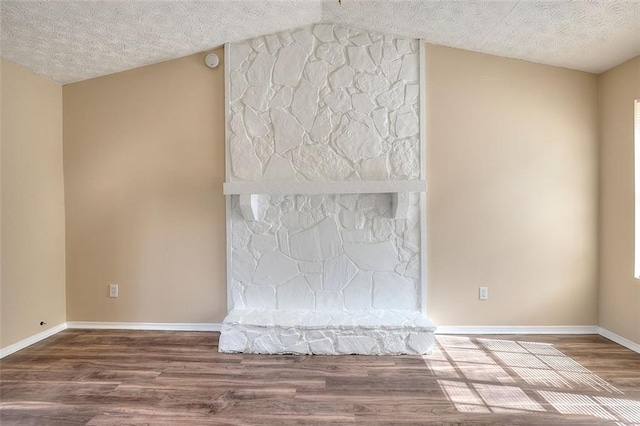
x: 338, y: 271
x: 243, y: 265
x: 372, y: 85
x: 391, y: 291
x: 373, y: 257
x: 233, y: 341
x: 412, y: 93
x: 263, y: 242
x: 319, y: 162
x: 238, y: 85
x: 339, y: 101
x: 255, y: 126
x: 316, y: 72
x: 359, y: 59
x: 374, y: 168
x: 357, y: 140
x: 256, y: 97
x: 282, y: 98
x: 260, y: 297
x: 244, y: 161
x: 325, y: 103
x: 287, y: 131
x: 394, y: 97
x: 404, y: 160
x: 289, y: 65
x: 342, y: 77
x: 305, y: 104
x: 358, y: 293
x: 327, y: 333
x: 239, y: 54
x: 406, y: 124
x: 322, y: 347
x: 311, y: 267
x: 324, y: 32
x: 318, y: 243
x: 381, y: 121
x: 260, y: 69
x: 421, y: 342
x: 362, y: 103
x: 356, y: 344
x: 409, y: 68
x: 331, y: 53
x: 273, y: 43
x: 362, y: 39
x: 352, y: 220
x: 274, y: 268
x: 376, y: 51
x: 321, y: 126
x: 389, y: 52
x: 282, y: 235
x: 391, y: 69
x: 266, y: 344
x: 240, y: 235
x: 329, y: 301
x: 403, y: 47
x: 295, y: 295
x: 305, y: 39
x: 341, y: 32
x: 279, y: 170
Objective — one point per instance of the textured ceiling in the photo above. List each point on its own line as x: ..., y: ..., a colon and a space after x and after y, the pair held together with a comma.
x: 69, y: 41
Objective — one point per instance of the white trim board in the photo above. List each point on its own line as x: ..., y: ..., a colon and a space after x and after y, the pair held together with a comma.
x: 479, y: 329
x: 622, y: 341
x: 159, y: 326
x: 31, y: 340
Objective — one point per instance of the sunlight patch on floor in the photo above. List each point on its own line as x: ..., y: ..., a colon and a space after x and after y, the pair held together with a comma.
x: 507, y: 376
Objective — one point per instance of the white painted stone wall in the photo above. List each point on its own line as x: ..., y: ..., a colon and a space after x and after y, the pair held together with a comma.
x: 324, y: 103
x: 326, y: 253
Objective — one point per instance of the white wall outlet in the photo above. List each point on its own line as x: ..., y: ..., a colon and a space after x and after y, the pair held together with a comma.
x: 113, y: 290
x: 483, y: 294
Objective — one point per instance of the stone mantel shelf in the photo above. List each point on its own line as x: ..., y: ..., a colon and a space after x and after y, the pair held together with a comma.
x: 250, y: 192
x: 325, y: 187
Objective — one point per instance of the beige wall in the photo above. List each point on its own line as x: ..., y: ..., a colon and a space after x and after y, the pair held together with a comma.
x: 144, y: 166
x: 33, y: 246
x: 512, y: 201
x: 619, y: 291
x: 512, y: 160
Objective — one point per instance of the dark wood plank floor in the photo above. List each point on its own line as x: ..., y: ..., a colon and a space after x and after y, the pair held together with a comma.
x: 103, y: 377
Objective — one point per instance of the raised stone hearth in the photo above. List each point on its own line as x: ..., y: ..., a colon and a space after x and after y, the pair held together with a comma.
x: 317, y: 333
x: 325, y: 194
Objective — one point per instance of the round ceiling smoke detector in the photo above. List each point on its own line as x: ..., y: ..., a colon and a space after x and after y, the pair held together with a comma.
x: 212, y: 60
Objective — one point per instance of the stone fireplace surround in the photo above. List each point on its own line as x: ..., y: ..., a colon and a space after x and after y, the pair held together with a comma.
x: 325, y: 197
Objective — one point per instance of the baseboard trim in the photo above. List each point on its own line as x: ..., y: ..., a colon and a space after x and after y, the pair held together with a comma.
x: 158, y: 326
x: 552, y: 329
x: 622, y: 341
x: 31, y: 340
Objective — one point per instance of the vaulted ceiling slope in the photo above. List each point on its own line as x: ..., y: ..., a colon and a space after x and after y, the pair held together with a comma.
x: 70, y: 41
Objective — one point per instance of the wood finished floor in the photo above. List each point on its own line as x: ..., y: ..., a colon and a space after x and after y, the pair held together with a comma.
x: 104, y: 377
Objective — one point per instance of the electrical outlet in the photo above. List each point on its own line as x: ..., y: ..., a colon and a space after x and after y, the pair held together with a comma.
x: 113, y: 290
x: 483, y: 293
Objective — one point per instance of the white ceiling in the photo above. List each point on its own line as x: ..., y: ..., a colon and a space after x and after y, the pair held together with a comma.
x: 70, y: 41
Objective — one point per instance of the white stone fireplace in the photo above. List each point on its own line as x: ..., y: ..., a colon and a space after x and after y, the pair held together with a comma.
x: 325, y: 194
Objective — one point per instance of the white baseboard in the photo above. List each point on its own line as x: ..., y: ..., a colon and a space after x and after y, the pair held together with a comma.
x: 478, y: 329
x: 31, y: 340
x: 619, y: 340
x: 160, y: 326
